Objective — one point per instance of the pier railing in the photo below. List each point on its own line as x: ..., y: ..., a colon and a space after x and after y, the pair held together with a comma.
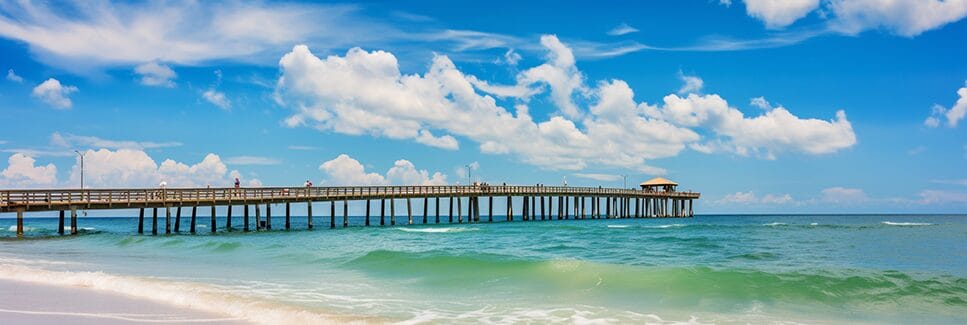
x: 58, y: 199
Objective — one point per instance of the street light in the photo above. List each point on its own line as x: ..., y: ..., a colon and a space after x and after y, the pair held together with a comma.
x: 79, y: 154
x: 469, y: 179
x: 625, y: 177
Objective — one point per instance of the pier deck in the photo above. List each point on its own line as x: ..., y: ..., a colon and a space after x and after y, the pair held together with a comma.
x: 618, y: 203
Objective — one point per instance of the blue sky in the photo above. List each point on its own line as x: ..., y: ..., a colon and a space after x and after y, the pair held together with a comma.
x: 763, y: 106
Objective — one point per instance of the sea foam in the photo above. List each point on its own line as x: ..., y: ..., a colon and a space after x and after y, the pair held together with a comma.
x: 437, y: 230
x: 890, y: 223
x: 182, y: 294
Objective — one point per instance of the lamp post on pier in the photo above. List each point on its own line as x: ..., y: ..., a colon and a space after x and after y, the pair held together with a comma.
x: 81, y: 155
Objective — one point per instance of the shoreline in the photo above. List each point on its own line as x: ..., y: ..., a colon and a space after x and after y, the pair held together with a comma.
x: 46, y: 289
x: 26, y: 302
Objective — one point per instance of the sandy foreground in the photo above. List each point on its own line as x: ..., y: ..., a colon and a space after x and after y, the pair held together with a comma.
x: 32, y: 303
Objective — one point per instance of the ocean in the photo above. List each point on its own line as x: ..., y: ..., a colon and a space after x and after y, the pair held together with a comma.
x: 707, y: 269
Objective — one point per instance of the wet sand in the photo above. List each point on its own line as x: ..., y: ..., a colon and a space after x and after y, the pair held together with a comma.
x: 33, y: 303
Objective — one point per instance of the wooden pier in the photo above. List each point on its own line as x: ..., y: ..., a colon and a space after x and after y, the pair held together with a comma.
x: 536, y: 203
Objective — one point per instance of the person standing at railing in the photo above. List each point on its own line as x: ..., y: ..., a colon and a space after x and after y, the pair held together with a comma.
x: 237, y: 186
x: 163, y: 185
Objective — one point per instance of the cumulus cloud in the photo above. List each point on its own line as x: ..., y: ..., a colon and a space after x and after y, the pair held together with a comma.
x: 952, y: 115
x: 599, y: 177
x: 23, y: 172
x: 765, y: 135
x: 73, y: 141
x: 155, y: 74
x: 779, y: 13
x: 622, y: 29
x: 134, y: 168
x: 690, y: 84
x: 364, y: 93
x: 843, y: 195
x: 749, y: 198
x: 902, y: 17
x: 53, y: 93
x: 12, y: 76
x: 344, y: 170
x: 217, y: 98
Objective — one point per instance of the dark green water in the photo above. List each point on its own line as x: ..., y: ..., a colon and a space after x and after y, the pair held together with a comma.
x: 708, y: 269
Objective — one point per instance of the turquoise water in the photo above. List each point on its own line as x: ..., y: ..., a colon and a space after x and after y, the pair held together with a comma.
x: 707, y: 269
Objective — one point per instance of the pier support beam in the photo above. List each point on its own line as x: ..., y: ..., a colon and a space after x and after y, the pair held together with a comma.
x: 382, y: 212
x: 228, y: 217
x: 451, y: 209
x: 60, y: 221
x: 409, y: 211
x: 459, y: 210
x: 167, y: 220
x: 20, y: 222
x: 345, y: 213
x: 510, y: 208
x: 245, y: 214
x: 268, y: 216
x: 392, y: 212
x: 309, y: 215
x: 154, y: 220
x: 178, y: 219
x: 214, y: 226
x: 258, y: 217
x: 73, y: 220
x: 332, y: 214
x: 490, y: 209
x: 367, y: 213
x: 194, y: 214
x: 140, y: 221
x: 288, y: 211
x: 426, y: 209
x: 436, y: 205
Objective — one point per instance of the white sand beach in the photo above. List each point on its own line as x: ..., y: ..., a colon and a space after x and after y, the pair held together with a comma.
x: 33, y: 303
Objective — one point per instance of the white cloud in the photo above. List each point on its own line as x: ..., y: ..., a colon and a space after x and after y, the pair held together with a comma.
x: 843, y: 195
x: 22, y: 172
x: 155, y: 74
x: 952, y: 115
x: 903, y: 17
x: 691, y: 84
x: 405, y: 173
x: 750, y: 198
x: 765, y: 135
x: 344, y: 170
x: 252, y: 160
x: 511, y: 57
x: 12, y: 76
x: 962, y: 181
x: 761, y: 102
x: 73, y: 141
x: 364, y: 93
x: 302, y: 148
x: 134, y: 168
x: 183, y: 33
x: 779, y: 13
x: 444, y: 142
x: 217, y: 98
x: 941, y: 197
x: 599, y: 177
x: 54, y: 94
x: 622, y: 29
